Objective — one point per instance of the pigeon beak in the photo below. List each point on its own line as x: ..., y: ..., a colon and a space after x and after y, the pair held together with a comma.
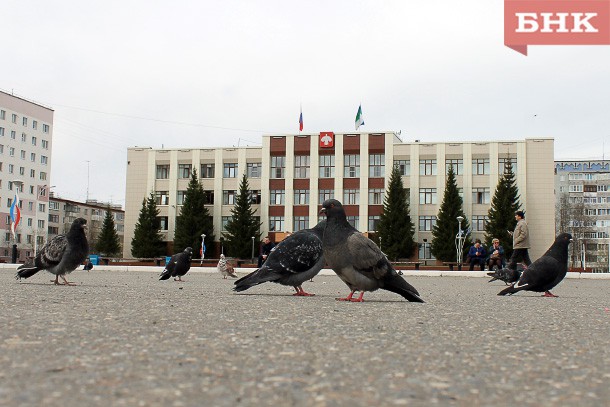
x: 322, y: 211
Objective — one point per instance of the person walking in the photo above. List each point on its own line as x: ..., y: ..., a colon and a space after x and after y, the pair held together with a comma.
x: 521, y: 242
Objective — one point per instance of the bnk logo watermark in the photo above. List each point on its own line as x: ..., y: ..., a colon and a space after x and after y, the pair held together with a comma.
x: 556, y: 22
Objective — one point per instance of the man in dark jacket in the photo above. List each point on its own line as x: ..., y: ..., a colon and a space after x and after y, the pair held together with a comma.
x: 265, y: 249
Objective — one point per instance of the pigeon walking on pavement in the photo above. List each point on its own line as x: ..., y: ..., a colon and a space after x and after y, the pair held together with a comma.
x: 507, y: 275
x: 546, y: 272
x: 225, y: 268
x: 178, y: 265
x: 293, y: 261
x: 61, y: 255
x: 357, y: 260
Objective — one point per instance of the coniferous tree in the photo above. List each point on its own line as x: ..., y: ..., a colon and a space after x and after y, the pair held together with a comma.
x: 395, y: 227
x: 444, y: 232
x: 243, y: 225
x: 501, y: 214
x: 194, y: 219
x: 108, y: 241
x: 146, y: 242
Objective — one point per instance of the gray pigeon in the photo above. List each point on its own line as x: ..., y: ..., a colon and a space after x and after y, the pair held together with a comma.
x: 293, y: 261
x: 178, y: 265
x: 61, y: 255
x: 546, y: 272
x: 357, y: 260
x: 225, y: 268
x: 507, y: 275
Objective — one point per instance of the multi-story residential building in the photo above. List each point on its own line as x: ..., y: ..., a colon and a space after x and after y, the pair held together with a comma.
x: 62, y: 212
x: 582, y: 191
x: 291, y: 175
x: 26, y: 130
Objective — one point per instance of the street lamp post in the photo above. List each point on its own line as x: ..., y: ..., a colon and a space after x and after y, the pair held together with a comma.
x: 252, y: 249
x: 202, y: 248
x: 459, y: 242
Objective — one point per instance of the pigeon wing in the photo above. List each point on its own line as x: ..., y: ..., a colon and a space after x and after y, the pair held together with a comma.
x: 366, y: 257
x: 540, y: 273
x: 296, y: 254
x: 51, y: 254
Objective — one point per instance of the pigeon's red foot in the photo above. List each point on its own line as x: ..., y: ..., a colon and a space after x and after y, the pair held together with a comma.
x: 359, y: 299
x: 348, y: 298
x: 301, y: 293
x: 549, y: 294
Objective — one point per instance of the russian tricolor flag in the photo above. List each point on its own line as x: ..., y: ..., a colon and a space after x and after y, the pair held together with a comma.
x: 301, y: 121
x: 15, y: 214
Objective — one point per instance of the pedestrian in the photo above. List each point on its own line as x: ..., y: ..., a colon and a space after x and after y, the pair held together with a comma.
x: 521, y: 242
x: 265, y: 249
x: 88, y: 265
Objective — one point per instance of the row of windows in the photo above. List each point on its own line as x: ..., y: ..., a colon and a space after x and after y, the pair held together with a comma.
x: 278, y: 223
x: 228, y: 197
x: 24, y: 137
x: 41, y: 206
x: 11, y: 170
x: 29, y: 239
x: 24, y: 121
x: 253, y: 170
x: 11, y: 152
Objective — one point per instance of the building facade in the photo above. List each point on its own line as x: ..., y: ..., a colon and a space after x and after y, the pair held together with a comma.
x: 582, y: 190
x: 26, y: 130
x: 291, y: 175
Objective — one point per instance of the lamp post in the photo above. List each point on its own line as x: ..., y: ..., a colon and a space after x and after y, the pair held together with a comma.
x: 459, y: 242
x: 202, y: 248
x: 252, y: 249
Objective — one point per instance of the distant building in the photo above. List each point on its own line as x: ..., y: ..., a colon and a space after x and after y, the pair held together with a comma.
x: 291, y: 175
x: 26, y: 130
x: 582, y: 190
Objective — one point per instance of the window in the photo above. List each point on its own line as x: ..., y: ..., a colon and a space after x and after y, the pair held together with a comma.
x: 575, y: 188
x: 301, y: 197
x: 24, y: 121
x: 457, y: 163
x: 163, y: 222
x: 54, y: 205
x: 53, y: 230
x: 503, y: 162
x: 34, y: 140
x: 23, y: 137
x: 184, y: 171
x: 45, y: 144
x: 14, y: 118
x: 28, y: 239
x: 301, y: 166
x: 180, y: 197
x: 33, y: 157
x: 9, y: 202
x: 351, y: 166
x: 253, y: 170
x: 351, y: 197
x: 404, y: 167
x: 43, y: 160
x: 480, y: 196
x: 1, y: 131
x: 324, y: 194
x: 425, y: 251
x: 34, y: 124
x: 427, y: 167
x: 43, y: 176
x: 376, y: 165
x: 353, y: 220
x: 32, y: 189
x: 300, y: 223
x: 11, y: 168
x: 11, y: 151
x: 427, y: 196
x: 376, y: 196
x: 54, y: 218
x: 1, y: 148
x: 163, y: 171
x: 327, y: 166
x: 426, y: 223
x: 255, y: 197
x: 42, y: 207
x: 480, y: 166
x: 228, y: 197
x: 22, y: 154
x: 276, y: 197
x: 224, y: 220
x: 276, y: 223
x: 13, y: 134
x: 3, y: 114
x: 162, y: 197
x: 207, y: 171
x: 208, y: 197
x: 278, y: 167
x: 478, y: 223
x: 30, y: 222
x: 373, y: 222
x: 40, y: 224
x: 45, y: 128
x: 229, y: 170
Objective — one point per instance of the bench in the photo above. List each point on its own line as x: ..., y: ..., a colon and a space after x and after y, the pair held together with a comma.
x: 452, y: 264
x: 415, y: 264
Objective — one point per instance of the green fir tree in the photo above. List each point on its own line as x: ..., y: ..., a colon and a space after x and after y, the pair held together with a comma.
x: 194, y: 219
x: 146, y: 242
x: 504, y: 204
x: 108, y: 241
x: 444, y: 232
x: 395, y: 228
x: 243, y: 225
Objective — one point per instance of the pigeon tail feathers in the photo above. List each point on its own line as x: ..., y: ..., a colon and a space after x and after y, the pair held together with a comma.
x: 398, y: 285
x: 257, y: 277
x: 26, y: 272
x: 165, y: 275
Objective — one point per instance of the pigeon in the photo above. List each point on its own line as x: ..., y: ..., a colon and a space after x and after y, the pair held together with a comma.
x: 507, y: 275
x: 178, y: 265
x: 357, y: 260
x: 546, y: 272
x: 225, y: 268
x: 293, y: 261
x: 61, y: 255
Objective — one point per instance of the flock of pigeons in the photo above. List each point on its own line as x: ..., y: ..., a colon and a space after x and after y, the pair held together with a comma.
x: 357, y: 260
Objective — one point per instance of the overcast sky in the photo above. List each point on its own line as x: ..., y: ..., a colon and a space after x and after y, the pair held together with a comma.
x: 221, y: 73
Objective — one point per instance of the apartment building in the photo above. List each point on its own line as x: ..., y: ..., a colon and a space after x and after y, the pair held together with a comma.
x: 291, y: 175
x: 26, y: 130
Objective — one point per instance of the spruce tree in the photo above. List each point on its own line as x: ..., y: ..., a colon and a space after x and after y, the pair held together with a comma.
x: 108, y: 241
x: 146, y: 242
x: 395, y: 227
x: 446, y: 228
x: 194, y: 219
x: 243, y: 225
x: 501, y: 214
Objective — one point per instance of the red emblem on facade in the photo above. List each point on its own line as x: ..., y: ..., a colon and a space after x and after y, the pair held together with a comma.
x: 327, y: 139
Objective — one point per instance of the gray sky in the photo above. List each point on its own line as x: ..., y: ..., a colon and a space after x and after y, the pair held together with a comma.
x: 202, y: 73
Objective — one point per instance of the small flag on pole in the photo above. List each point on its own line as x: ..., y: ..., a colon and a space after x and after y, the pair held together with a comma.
x: 301, y: 121
x: 15, y: 214
x: 359, y: 118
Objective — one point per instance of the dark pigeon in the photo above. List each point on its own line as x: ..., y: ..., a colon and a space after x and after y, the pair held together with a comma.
x: 61, y: 255
x: 507, y: 275
x: 178, y: 265
x: 357, y: 260
x: 293, y: 261
x: 546, y: 272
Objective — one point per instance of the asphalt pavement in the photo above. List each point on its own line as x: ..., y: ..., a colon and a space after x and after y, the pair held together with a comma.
x: 127, y: 339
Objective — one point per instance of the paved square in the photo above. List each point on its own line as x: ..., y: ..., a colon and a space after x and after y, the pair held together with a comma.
x: 127, y: 339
